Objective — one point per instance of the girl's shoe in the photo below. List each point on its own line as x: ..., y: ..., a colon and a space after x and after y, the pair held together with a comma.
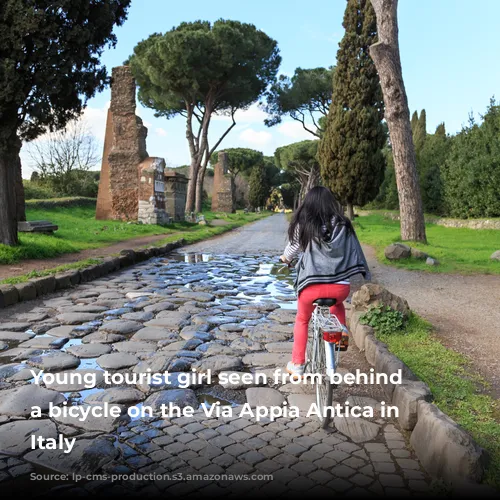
x: 296, y: 371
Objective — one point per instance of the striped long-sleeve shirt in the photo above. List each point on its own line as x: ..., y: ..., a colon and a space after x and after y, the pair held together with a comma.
x: 292, y: 250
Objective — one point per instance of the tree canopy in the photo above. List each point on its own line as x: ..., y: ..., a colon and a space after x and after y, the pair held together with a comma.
x: 198, y: 69
x: 300, y: 161
x: 302, y: 97
x: 350, y: 151
x: 471, y: 173
x: 49, y: 67
x: 241, y: 160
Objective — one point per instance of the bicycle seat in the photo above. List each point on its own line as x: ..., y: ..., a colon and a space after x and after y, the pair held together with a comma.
x: 325, y: 302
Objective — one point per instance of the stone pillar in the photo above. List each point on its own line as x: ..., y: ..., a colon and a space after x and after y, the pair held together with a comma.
x: 175, y: 194
x: 151, y: 208
x: 124, y: 150
x: 223, y: 193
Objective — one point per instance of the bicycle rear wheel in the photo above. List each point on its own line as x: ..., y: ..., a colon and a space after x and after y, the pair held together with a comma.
x: 324, y: 388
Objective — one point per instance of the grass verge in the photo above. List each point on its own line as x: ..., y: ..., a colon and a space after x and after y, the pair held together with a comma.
x: 458, y: 250
x: 192, y: 233
x: 458, y: 391
x: 78, y: 230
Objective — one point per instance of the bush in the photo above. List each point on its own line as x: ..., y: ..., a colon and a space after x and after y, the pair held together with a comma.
x: 61, y: 203
x: 37, y: 191
x: 383, y: 319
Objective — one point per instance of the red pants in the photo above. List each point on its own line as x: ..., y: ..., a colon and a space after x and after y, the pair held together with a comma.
x: 305, y: 309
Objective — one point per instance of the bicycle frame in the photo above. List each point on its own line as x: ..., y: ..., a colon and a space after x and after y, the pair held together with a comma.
x: 324, y: 321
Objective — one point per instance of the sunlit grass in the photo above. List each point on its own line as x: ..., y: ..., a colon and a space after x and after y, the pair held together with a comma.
x: 458, y: 250
x: 457, y: 389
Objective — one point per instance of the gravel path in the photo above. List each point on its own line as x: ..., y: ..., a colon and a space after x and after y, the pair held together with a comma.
x: 465, y: 310
x: 224, y: 312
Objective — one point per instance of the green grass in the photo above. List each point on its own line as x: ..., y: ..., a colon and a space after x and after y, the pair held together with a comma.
x: 47, y: 272
x: 78, y: 230
x: 458, y: 390
x: 458, y: 250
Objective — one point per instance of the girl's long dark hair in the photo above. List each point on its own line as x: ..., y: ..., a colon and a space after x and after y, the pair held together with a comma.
x: 318, y: 210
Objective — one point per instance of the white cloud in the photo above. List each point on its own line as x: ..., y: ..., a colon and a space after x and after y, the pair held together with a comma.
x: 95, y: 120
x: 251, y: 115
x: 295, y: 130
x: 161, y: 132
x: 255, y: 137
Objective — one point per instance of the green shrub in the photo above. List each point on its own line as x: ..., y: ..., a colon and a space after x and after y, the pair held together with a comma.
x: 383, y: 319
x: 77, y: 201
x: 37, y: 191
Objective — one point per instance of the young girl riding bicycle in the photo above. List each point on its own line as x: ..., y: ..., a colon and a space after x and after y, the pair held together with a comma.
x: 331, y: 254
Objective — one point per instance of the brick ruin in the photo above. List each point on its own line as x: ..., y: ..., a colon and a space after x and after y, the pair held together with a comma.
x: 133, y: 185
x: 223, y: 191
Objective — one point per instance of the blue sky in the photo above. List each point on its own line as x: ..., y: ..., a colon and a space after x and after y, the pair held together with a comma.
x: 449, y: 50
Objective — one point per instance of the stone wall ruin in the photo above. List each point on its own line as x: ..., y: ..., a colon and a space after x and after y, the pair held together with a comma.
x: 223, y: 192
x: 132, y: 185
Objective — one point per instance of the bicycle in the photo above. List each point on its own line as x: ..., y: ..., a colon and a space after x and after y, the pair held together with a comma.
x: 323, y: 353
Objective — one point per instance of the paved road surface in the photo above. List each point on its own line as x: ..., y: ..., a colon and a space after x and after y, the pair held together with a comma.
x: 266, y: 235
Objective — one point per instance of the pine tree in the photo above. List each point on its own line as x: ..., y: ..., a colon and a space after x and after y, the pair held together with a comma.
x: 350, y: 152
x: 259, y: 186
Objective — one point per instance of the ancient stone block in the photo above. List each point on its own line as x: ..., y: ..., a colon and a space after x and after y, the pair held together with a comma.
x: 8, y: 295
x: 223, y: 193
x: 151, y: 208
x: 44, y: 285
x: 27, y: 291
x: 372, y: 295
x: 406, y: 397
x: 175, y: 194
x: 63, y: 281
x: 444, y: 448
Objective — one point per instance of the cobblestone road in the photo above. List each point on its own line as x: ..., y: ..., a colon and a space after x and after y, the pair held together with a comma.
x: 224, y: 312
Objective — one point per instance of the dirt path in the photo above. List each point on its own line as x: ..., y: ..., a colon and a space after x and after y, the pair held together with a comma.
x: 26, y: 266
x: 465, y: 310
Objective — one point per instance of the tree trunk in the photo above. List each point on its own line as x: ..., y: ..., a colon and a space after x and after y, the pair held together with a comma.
x: 199, y: 190
x: 8, y: 207
x: 385, y: 54
x: 191, y: 187
x: 313, y: 179
x: 350, y: 211
x: 20, y: 204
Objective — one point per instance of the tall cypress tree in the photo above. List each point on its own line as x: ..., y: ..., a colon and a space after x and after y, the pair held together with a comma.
x: 420, y: 132
x: 350, y: 151
x: 414, y: 121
